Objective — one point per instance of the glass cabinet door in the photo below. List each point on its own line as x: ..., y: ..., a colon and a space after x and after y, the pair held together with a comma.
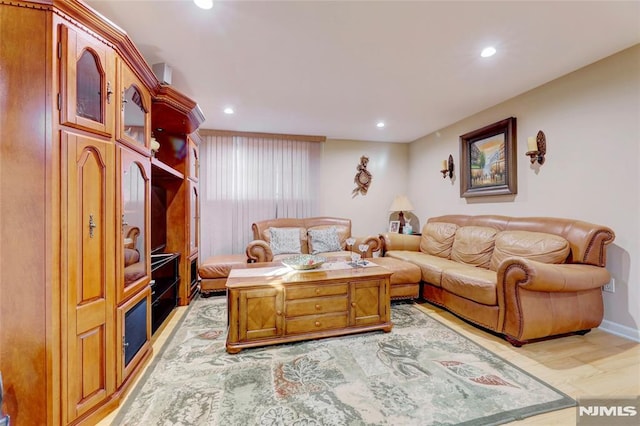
x: 133, y: 324
x: 194, y: 165
x: 134, y: 243
x: 194, y: 218
x: 134, y: 119
x: 86, y: 82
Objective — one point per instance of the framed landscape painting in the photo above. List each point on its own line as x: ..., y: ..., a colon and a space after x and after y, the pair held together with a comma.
x: 488, y: 163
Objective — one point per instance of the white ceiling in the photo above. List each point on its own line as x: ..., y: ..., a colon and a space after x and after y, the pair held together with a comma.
x: 337, y: 68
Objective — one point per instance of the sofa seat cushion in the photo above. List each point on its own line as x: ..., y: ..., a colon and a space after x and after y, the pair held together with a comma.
x: 220, y: 265
x: 403, y: 254
x: 402, y: 272
x: 473, y: 245
x: 134, y: 272
x: 431, y: 267
x: 538, y: 246
x: 472, y: 283
x: 437, y: 238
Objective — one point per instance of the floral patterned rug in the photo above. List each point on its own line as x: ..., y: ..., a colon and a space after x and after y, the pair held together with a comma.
x: 421, y: 373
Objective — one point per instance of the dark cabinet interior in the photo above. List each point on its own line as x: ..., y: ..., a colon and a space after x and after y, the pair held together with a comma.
x: 165, y: 277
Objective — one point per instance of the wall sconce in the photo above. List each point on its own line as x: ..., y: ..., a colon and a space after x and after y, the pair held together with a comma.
x: 537, y: 148
x: 447, y: 167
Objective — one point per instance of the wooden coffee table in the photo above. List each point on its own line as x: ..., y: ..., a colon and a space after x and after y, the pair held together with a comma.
x: 271, y: 304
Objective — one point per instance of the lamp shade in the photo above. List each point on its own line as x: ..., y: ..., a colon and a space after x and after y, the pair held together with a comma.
x: 401, y: 203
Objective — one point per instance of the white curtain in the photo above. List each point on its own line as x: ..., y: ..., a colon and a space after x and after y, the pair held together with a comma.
x: 244, y: 179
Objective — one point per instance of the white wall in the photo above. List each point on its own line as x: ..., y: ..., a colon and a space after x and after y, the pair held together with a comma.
x: 591, y: 119
x: 369, y: 213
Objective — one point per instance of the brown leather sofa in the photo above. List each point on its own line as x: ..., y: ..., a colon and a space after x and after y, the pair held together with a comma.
x: 526, y: 278
x: 259, y: 250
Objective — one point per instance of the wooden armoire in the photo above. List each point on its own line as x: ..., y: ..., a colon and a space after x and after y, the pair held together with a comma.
x: 79, y: 107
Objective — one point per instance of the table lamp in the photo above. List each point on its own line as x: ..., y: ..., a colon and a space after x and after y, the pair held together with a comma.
x: 401, y: 204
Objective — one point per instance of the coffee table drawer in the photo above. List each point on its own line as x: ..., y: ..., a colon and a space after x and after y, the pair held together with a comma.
x: 315, y: 290
x: 316, y: 305
x: 309, y: 324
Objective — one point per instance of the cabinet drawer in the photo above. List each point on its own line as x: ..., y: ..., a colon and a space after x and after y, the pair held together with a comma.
x: 306, y: 291
x: 309, y: 324
x: 316, y: 305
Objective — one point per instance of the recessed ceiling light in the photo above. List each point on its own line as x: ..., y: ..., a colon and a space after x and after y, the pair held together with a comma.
x: 380, y: 124
x: 228, y: 110
x: 204, y: 4
x: 488, y: 51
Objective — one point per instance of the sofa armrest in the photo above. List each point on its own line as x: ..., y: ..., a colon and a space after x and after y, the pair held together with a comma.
x: 541, y: 299
x: 393, y: 241
x: 374, y: 244
x: 546, y: 277
x: 259, y: 251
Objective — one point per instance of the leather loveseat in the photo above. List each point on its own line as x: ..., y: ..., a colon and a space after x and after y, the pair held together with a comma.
x: 260, y: 249
x: 525, y: 278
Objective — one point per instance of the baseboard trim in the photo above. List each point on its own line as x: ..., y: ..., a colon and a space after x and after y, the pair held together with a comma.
x: 620, y: 330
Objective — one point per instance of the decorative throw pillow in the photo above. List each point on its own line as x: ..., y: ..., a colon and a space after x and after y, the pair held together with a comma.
x: 324, y: 240
x: 285, y: 240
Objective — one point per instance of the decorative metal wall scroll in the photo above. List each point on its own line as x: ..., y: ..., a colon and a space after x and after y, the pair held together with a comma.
x: 363, y: 177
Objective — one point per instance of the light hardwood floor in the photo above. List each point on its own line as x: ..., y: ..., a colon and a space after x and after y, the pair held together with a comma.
x: 595, y: 365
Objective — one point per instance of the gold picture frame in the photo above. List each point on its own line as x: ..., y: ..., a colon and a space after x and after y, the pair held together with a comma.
x: 488, y: 163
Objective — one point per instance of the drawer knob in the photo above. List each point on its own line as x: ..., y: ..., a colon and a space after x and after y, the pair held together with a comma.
x: 317, y: 323
x: 318, y: 307
x: 317, y: 291
x: 278, y: 313
x: 353, y: 304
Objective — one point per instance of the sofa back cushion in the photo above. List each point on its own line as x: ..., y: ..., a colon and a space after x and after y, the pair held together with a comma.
x: 323, y: 239
x: 539, y: 246
x: 285, y: 240
x: 473, y: 245
x: 437, y: 238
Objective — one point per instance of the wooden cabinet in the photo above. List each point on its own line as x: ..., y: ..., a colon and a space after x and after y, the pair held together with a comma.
x: 194, y: 214
x: 366, y: 302
x: 260, y: 313
x: 132, y: 213
x: 133, y: 110
x: 285, y: 310
x: 88, y: 275
x: 75, y: 179
x: 133, y: 323
x: 194, y: 218
x: 176, y: 206
x: 194, y: 160
x: 87, y: 81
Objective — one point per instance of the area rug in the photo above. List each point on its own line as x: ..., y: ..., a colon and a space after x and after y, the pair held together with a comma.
x: 421, y: 373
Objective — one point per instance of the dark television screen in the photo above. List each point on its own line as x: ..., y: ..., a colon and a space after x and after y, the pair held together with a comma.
x: 158, y: 219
